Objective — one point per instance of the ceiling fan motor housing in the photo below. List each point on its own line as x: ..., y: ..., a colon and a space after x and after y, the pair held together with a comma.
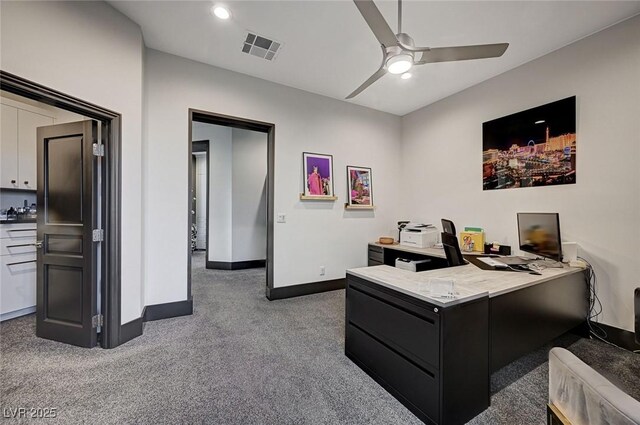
x: 396, y: 53
x: 404, y: 38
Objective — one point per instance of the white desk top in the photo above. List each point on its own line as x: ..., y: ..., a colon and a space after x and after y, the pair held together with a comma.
x: 471, y: 282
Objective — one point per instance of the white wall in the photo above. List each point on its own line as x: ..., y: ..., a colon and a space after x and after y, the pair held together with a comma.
x: 220, y: 179
x: 90, y: 51
x: 249, y: 226
x: 442, y: 157
x: 318, y: 233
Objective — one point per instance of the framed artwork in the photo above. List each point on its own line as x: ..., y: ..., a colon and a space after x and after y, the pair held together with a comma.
x: 536, y: 147
x: 318, y: 176
x: 360, y: 187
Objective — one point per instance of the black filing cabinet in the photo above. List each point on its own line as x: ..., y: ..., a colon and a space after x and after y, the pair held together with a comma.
x: 434, y: 360
x: 376, y: 255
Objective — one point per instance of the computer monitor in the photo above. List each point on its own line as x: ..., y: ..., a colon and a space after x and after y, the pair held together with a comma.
x: 539, y: 234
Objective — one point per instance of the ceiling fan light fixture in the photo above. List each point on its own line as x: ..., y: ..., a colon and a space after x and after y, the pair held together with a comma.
x: 399, y: 64
x: 220, y: 12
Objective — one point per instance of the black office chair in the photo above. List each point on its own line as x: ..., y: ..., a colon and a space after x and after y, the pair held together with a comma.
x: 452, y: 250
x: 448, y: 227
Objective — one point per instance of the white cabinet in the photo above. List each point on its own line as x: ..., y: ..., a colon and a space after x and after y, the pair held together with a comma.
x: 28, y: 122
x: 18, y: 147
x: 9, y: 147
x: 16, y: 231
x: 18, y: 270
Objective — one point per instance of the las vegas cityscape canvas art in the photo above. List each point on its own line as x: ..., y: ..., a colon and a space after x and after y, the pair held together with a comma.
x: 536, y: 147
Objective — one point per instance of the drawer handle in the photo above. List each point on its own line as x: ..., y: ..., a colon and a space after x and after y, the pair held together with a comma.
x: 21, y: 262
x: 21, y: 230
x: 22, y: 244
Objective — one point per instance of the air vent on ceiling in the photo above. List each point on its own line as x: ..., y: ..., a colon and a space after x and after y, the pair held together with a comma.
x: 260, y: 46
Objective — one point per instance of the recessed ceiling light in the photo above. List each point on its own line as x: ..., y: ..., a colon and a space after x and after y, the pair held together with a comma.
x: 220, y: 12
x: 406, y: 76
x: 540, y: 122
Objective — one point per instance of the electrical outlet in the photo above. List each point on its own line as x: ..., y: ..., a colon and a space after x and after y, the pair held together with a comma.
x: 322, y: 270
x: 282, y: 218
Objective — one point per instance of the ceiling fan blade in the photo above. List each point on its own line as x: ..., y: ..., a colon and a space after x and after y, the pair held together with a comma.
x: 376, y: 22
x: 461, y: 53
x: 375, y: 77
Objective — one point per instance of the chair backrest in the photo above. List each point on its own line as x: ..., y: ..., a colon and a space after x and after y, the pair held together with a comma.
x: 452, y: 250
x: 448, y: 226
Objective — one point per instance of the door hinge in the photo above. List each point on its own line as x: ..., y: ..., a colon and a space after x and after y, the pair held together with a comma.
x: 97, y: 320
x: 98, y: 149
x: 98, y: 235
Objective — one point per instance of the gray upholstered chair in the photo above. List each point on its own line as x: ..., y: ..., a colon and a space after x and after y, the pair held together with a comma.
x: 578, y: 395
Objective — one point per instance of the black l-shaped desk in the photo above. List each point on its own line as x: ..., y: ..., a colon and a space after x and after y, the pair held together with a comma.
x: 436, y: 355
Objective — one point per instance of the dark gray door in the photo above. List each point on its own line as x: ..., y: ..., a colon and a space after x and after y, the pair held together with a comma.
x: 67, y: 288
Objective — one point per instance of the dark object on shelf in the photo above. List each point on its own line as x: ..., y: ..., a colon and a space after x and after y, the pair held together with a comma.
x: 448, y: 226
x: 12, y: 214
x: 452, y: 250
x: 504, y: 249
x: 637, y: 310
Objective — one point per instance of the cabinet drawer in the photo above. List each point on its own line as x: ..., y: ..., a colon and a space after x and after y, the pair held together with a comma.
x: 376, y: 256
x: 417, y: 386
x: 17, y: 246
x: 18, y: 282
x: 374, y: 263
x: 417, y: 336
x: 18, y: 230
x: 376, y: 248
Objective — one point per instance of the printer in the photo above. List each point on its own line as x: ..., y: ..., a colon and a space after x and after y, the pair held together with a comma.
x: 418, y: 235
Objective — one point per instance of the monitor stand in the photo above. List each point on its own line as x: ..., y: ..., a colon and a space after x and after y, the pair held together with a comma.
x: 549, y: 263
x: 516, y: 260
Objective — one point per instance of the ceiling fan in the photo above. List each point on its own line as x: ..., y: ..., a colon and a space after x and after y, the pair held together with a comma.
x: 399, y: 53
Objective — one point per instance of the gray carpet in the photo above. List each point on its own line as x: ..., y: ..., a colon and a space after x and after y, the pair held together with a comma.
x: 239, y: 359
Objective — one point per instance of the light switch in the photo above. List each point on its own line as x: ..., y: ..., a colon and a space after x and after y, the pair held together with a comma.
x: 282, y: 218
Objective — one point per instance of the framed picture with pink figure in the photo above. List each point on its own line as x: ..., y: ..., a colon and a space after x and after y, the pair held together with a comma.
x: 359, y: 187
x: 318, y: 176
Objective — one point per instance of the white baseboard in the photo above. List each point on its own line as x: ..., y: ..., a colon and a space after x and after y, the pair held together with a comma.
x: 17, y: 313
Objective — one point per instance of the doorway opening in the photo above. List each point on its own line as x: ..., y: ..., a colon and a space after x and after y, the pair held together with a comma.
x: 78, y: 234
x: 231, y: 194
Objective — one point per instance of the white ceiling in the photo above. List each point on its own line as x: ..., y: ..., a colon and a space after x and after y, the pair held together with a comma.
x: 328, y: 48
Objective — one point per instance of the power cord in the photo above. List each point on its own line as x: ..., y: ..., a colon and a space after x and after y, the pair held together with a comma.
x: 595, y: 307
